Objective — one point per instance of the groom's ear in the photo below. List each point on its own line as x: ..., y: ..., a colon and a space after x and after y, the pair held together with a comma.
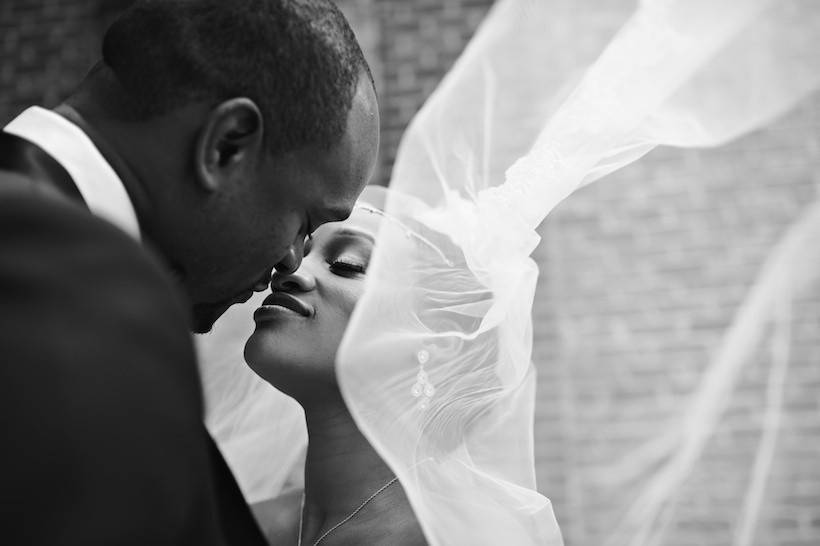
x: 229, y: 144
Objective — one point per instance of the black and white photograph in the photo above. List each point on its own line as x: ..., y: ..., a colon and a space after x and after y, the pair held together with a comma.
x: 410, y: 272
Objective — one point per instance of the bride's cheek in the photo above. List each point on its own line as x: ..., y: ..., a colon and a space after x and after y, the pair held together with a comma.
x: 349, y: 297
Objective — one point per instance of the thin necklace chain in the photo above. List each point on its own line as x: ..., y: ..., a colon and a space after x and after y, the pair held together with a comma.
x: 346, y: 519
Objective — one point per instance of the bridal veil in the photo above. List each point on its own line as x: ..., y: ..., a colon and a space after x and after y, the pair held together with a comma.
x: 435, y: 365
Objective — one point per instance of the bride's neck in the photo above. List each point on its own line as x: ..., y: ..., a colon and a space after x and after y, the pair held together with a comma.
x: 341, y: 469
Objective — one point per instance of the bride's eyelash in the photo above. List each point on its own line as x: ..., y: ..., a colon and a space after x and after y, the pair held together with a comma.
x: 348, y: 267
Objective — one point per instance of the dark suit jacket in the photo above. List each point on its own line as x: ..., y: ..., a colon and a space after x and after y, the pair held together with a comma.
x: 100, y: 402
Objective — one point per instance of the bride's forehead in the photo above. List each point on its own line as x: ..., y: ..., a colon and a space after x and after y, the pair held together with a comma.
x: 361, y: 219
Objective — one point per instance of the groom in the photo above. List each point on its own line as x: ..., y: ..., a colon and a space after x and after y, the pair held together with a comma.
x: 211, y: 139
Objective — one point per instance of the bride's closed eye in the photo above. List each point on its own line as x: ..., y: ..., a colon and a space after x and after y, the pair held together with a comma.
x: 345, y: 265
x: 345, y: 249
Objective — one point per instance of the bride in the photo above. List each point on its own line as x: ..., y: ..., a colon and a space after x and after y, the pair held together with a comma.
x: 434, y: 366
x: 350, y: 496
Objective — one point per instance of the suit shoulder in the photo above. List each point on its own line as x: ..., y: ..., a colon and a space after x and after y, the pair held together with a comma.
x: 84, y: 284
x: 37, y: 227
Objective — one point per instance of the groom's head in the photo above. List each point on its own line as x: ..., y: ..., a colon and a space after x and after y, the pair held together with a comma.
x: 248, y: 123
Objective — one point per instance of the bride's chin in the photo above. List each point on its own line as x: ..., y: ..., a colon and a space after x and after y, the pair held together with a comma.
x: 255, y: 354
x: 259, y: 364
x: 265, y: 353
x: 265, y: 333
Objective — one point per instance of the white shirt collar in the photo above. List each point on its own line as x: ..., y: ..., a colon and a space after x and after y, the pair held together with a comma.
x: 101, y: 188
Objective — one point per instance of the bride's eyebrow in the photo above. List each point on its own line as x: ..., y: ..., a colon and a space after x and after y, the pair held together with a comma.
x: 354, y: 233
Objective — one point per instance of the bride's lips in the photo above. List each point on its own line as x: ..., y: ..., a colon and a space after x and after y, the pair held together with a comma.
x: 278, y: 300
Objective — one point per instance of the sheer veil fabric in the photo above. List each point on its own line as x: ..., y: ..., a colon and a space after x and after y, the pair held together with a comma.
x: 436, y: 363
x: 260, y: 431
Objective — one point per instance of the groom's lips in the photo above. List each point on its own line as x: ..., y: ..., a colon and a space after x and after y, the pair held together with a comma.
x: 283, y: 299
x: 243, y: 297
x: 224, y: 304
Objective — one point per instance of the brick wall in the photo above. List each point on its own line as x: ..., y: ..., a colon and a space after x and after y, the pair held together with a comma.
x: 642, y: 275
x: 421, y: 39
x: 46, y: 46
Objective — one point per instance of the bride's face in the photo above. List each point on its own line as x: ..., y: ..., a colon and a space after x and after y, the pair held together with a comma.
x: 301, y: 323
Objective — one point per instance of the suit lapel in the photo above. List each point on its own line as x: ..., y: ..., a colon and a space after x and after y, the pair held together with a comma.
x: 25, y: 158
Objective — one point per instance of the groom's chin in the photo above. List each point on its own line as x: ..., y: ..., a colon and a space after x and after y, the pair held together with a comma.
x: 206, y: 314
x: 204, y: 317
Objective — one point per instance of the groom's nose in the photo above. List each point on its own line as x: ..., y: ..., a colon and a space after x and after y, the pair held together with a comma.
x: 292, y: 260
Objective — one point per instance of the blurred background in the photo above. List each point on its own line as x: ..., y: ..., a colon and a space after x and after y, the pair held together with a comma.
x: 673, y: 406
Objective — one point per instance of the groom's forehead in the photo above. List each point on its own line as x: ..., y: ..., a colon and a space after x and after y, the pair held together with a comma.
x: 353, y: 157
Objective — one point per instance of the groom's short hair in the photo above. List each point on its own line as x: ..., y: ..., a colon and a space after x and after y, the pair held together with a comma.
x: 298, y: 60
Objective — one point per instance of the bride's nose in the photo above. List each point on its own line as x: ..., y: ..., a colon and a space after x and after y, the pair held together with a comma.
x: 298, y: 281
